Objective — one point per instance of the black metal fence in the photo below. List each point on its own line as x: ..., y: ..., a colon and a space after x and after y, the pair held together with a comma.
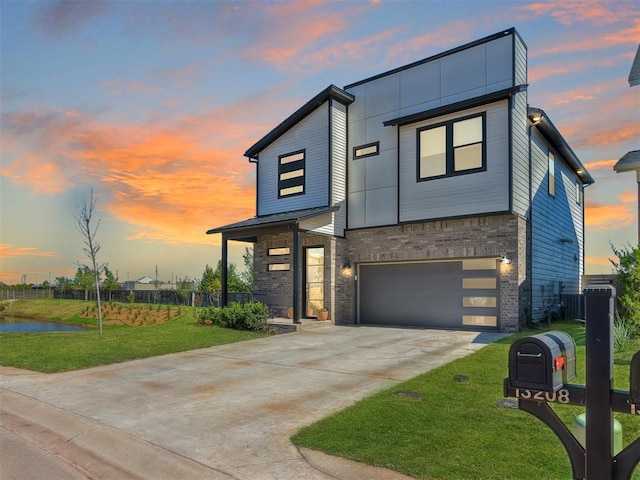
x: 573, y: 306
x: 165, y: 297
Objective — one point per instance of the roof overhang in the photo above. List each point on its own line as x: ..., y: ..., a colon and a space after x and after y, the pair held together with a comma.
x: 453, y: 107
x: 549, y: 131
x: 248, y: 230
x: 634, y: 74
x: 630, y: 162
x: 331, y: 92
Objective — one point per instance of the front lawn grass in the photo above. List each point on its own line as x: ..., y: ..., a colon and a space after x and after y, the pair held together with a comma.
x: 63, y: 351
x: 437, y: 427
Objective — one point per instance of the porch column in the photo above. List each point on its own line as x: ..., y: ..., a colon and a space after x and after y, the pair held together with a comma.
x: 223, y: 272
x: 297, y: 261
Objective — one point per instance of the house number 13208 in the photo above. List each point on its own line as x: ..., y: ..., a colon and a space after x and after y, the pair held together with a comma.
x: 561, y: 396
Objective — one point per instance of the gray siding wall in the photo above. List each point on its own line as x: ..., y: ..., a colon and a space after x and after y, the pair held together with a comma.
x: 373, y: 189
x: 520, y: 155
x: 338, y: 168
x: 520, y: 66
x: 557, y: 230
x: 312, y: 134
x: 475, y: 193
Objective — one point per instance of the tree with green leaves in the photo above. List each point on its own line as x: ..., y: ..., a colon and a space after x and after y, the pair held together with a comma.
x: 63, y: 284
x: 110, y: 283
x: 247, y: 275
x: 84, y: 280
x: 628, y: 270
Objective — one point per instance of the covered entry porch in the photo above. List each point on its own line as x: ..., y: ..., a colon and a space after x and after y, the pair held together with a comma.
x: 296, y: 265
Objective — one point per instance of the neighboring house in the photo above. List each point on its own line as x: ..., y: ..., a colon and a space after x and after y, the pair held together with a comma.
x: 400, y: 199
x: 630, y: 162
x: 148, y: 284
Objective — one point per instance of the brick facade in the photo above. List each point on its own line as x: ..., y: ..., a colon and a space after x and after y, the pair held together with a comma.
x: 488, y: 236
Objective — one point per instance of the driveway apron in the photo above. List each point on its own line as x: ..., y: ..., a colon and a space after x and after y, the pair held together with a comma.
x: 234, y: 407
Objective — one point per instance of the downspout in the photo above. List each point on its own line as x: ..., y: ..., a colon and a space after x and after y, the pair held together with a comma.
x: 530, y: 233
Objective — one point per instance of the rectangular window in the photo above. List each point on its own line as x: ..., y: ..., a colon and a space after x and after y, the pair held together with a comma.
x: 480, y: 320
x: 452, y: 148
x: 552, y: 175
x: 468, y: 283
x: 479, y: 264
x: 366, y: 150
x: 279, y: 267
x: 291, y: 169
x: 578, y: 192
x: 279, y: 251
x: 489, y: 302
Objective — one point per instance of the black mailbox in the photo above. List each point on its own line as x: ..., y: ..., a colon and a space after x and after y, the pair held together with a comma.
x: 634, y: 379
x: 542, y: 362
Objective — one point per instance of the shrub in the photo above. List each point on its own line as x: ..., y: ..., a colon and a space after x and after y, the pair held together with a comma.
x: 622, y: 336
x: 249, y: 316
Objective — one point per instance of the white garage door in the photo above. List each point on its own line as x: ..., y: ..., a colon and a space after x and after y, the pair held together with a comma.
x: 456, y: 294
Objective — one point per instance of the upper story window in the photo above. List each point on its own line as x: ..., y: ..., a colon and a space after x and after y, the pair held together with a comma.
x: 578, y: 192
x: 552, y: 174
x: 291, y: 174
x: 452, y: 148
x: 366, y: 150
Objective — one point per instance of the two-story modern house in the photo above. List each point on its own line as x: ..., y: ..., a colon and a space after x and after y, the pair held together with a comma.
x: 430, y: 195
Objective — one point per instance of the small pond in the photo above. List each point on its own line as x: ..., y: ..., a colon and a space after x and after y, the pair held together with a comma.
x: 27, y: 325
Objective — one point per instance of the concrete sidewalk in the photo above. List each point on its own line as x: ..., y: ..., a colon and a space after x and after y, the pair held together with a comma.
x: 223, y: 412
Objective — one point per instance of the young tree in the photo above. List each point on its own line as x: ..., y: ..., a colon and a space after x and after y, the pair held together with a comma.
x: 628, y: 270
x: 92, y: 247
x: 110, y: 283
x: 84, y: 280
x: 63, y: 284
x: 247, y: 275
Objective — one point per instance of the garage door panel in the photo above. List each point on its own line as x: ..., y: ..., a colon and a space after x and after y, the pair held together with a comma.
x: 428, y: 294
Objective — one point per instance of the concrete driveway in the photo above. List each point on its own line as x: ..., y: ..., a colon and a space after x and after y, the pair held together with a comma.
x: 220, y: 412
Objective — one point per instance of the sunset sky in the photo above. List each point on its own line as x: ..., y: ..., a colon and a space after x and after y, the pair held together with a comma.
x: 152, y: 104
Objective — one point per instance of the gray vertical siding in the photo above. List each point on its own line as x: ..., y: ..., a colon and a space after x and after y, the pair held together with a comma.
x: 557, y: 229
x: 520, y: 155
x: 311, y: 134
x: 461, y: 75
x: 475, y: 193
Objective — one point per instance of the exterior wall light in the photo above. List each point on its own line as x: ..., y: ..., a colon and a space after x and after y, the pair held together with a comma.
x: 504, y: 259
x: 346, y: 268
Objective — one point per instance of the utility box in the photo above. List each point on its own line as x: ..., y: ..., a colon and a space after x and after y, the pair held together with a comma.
x: 634, y: 379
x: 542, y: 362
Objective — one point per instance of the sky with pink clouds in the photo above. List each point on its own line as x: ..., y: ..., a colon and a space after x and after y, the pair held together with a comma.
x: 153, y: 103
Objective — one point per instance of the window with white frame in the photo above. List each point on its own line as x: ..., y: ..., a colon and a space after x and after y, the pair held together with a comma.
x: 291, y: 174
x: 452, y: 148
x: 578, y: 192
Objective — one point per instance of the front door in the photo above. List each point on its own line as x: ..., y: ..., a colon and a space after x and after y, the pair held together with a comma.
x: 314, y: 280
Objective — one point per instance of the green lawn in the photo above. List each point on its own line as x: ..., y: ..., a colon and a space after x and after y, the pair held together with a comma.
x: 62, y: 351
x: 454, y: 429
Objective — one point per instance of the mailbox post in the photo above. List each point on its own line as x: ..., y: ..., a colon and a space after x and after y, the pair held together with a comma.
x: 540, y: 367
x: 599, y: 434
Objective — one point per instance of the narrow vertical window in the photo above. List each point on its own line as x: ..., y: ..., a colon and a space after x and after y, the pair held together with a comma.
x: 578, y: 192
x: 467, y: 144
x: 552, y: 175
x: 291, y: 174
x: 433, y: 152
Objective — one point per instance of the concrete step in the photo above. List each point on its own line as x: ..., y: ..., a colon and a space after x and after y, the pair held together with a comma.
x: 286, y: 325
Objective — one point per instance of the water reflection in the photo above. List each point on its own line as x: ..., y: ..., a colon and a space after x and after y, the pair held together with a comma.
x: 26, y: 325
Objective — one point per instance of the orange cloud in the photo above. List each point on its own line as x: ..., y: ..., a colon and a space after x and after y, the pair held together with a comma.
x: 608, y: 217
x: 568, y: 12
x: 628, y: 196
x: 8, y: 251
x: 601, y: 164
x: 598, y: 261
x: 168, y: 182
